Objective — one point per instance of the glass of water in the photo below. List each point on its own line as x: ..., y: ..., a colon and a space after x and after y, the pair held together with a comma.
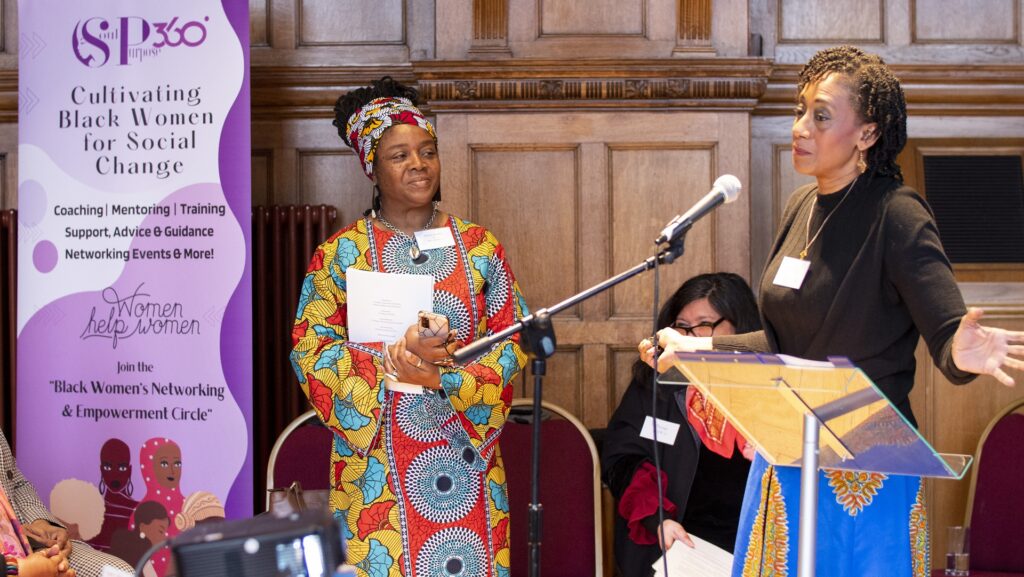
x: 958, y: 552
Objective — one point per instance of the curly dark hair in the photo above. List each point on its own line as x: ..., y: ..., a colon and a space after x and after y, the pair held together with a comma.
x: 878, y: 98
x: 727, y: 293
x: 350, y: 102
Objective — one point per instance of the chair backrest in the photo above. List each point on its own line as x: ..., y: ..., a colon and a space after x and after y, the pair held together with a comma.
x: 302, y: 453
x: 995, y: 504
x: 570, y: 493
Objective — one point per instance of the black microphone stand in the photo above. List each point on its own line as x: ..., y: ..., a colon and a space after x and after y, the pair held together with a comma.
x: 539, y: 341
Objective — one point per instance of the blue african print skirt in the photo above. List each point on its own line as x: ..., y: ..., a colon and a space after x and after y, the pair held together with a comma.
x: 868, y: 524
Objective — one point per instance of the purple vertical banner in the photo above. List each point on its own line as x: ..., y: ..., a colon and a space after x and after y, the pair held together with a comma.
x: 134, y: 290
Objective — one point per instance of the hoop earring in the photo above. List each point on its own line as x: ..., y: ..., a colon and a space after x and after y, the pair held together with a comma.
x: 862, y: 165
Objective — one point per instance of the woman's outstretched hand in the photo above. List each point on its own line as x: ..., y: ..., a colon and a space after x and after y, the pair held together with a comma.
x: 987, y: 350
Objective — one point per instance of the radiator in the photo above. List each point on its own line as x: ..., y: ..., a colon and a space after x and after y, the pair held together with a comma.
x: 283, y: 240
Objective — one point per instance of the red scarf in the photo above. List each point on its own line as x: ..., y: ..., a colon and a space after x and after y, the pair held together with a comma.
x: 715, y: 432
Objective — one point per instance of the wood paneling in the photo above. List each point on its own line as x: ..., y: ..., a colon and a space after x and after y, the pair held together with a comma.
x: 831, y: 21
x: 262, y: 168
x: 979, y: 90
x: 964, y: 21
x: 259, y: 23
x: 341, y: 22
x: 621, y: 372
x: 541, y: 185
x: 641, y: 200
x: 563, y: 382
x: 576, y: 198
x: 592, y: 18
x: 333, y: 177
x: 713, y: 83
x: 952, y: 418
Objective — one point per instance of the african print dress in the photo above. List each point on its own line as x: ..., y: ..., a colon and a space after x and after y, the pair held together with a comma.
x: 417, y: 479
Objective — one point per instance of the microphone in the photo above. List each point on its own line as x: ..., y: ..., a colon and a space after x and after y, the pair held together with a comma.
x: 725, y: 190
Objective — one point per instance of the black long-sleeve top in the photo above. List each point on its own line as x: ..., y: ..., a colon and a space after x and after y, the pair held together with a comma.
x: 878, y: 280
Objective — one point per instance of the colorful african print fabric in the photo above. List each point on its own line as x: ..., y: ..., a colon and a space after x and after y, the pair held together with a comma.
x: 366, y: 127
x: 868, y: 524
x: 417, y: 479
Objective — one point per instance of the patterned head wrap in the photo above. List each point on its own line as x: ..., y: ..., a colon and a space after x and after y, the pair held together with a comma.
x: 365, y: 128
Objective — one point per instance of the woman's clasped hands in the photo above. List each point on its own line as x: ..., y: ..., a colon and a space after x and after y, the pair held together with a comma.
x: 415, y: 358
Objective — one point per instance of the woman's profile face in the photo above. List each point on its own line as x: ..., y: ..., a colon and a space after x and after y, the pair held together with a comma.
x: 167, y: 465
x: 700, y: 311
x: 407, y: 167
x: 828, y: 133
x: 155, y: 531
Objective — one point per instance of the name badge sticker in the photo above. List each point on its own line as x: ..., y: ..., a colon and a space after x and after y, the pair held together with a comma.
x: 434, y: 238
x: 792, y: 272
x: 667, y: 430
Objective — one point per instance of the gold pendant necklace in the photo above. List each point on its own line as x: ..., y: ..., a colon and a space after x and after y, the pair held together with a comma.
x: 810, y: 241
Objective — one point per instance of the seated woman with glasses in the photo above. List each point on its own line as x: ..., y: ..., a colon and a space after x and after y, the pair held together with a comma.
x: 704, y: 499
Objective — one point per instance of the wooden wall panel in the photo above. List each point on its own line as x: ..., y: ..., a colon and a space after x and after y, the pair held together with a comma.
x: 333, y: 177
x: 563, y: 383
x: 340, y: 22
x: 568, y: 29
x: 648, y: 183
x: 262, y: 169
x: 540, y: 186
x: 594, y: 17
x: 831, y: 21
x: 621, y: 372
x: 952, y: 418
x: 956, y: 21
x: 8, y: 166
x: 580, y: 171
x: 259, y: 22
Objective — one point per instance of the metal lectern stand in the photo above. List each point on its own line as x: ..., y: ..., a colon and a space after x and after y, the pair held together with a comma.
x: 812, y: 414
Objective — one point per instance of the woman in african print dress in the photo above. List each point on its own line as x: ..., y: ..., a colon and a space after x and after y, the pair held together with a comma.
x: 417, y: 479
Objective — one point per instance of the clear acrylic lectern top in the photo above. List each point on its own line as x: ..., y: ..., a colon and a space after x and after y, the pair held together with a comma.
x: 766, y: 397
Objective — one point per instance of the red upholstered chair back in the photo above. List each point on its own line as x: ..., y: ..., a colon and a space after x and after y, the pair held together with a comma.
x: 570, y: 493
x: 996, y: 504
x: 302, y: 453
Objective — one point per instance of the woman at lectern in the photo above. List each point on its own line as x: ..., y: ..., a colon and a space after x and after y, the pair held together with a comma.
x: 417, y: 477
x: 704, y: 467
x: 856, y: 270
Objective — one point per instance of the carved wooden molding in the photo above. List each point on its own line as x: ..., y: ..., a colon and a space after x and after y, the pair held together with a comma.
x: 712, y: 83
x: 291, y: 92
x: 931, y: 89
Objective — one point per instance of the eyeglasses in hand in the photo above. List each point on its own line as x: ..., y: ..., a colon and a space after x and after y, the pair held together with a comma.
x: 704, y: 329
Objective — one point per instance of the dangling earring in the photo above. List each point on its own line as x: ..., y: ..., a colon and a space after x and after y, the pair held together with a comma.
x: 130, y: 488
x: 376, y: 201
x: 102, y: 487
x: 862, y: 165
